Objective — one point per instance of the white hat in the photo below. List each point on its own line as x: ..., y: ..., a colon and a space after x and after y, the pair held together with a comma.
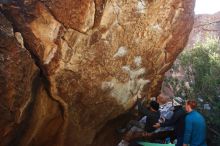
x: 177, y: 101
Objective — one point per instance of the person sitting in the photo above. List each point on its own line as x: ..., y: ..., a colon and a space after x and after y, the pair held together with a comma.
x: 177, y: 120
x: 166, y: 112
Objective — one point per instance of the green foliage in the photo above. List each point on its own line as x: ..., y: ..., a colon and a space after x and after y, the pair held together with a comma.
x: 201, y: 66
x: 202, y: 63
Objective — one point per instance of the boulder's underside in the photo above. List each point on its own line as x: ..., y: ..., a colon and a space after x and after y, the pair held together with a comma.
x: 68, y: 67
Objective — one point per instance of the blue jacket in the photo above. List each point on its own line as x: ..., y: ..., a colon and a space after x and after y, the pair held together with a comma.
x: 195, y: 129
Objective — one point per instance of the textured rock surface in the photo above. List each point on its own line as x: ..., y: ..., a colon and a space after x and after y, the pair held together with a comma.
x: 96, y: 56
x: 204, y: 26
x: 17, y: 72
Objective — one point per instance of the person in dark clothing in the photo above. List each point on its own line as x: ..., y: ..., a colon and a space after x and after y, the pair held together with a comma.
x: 143, y: 124
x: 152, y: 114
x: 177, y: 120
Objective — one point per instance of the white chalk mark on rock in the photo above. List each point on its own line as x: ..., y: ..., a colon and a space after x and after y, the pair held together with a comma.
x: 19, y: 38
x: 126, y: 69
x: 134, y: 74
x: 122, y: 51
x: 107, y: 86
x: 51, y: 55
x: 156, y: 27
x: 126, y: 91
x: 141, y: 6
x: 138, y: 61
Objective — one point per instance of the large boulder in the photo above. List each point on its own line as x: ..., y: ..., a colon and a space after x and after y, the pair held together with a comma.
x: 96, y: 57
x: 17, y: 74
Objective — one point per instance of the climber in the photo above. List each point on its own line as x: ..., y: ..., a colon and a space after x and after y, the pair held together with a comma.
x: 150, y: 116
x: 135, y: 125
x: 177, y: 120
x: 195, y: 126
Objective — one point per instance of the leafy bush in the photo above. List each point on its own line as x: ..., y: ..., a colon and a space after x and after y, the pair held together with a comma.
x: 201, y: 81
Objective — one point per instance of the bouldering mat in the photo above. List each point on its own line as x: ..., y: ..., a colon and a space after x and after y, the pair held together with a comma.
x: 154, y: 144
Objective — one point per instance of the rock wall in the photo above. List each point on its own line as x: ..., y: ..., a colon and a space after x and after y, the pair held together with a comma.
x: 94, y: 58
x: 17, y: 72
x: 205, y: 26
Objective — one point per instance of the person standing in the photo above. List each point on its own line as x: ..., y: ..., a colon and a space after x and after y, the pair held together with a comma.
x: 195, y: 126
x: 177, y: 120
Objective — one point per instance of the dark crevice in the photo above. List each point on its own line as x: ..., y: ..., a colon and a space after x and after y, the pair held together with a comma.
x: 18, y: 28
x: 28, y: 112
x: 28, y: 36
x: 38, y: 81
x: 35, y: 58
x: 99, y: 9
x: 32, y: 44
x: 110, y: 128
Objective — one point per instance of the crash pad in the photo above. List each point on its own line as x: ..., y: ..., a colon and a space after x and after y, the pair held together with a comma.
x: 154, y: 144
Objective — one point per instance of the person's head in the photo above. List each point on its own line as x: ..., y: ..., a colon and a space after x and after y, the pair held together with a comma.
x: 154, y: 106
x: 162, y: 98
x: 178, y: 101
x: 190, y: 105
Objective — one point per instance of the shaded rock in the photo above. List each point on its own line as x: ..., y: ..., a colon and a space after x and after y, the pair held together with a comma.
x: 17, y: 72
x: 97, y: 57
x: 45, y: 125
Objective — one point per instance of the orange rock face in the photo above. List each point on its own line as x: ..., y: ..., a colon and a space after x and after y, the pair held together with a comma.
x: 95, y: 57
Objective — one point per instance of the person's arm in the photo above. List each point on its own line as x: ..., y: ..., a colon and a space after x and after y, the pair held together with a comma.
x: 141, y: 108
x: 188, y: 131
